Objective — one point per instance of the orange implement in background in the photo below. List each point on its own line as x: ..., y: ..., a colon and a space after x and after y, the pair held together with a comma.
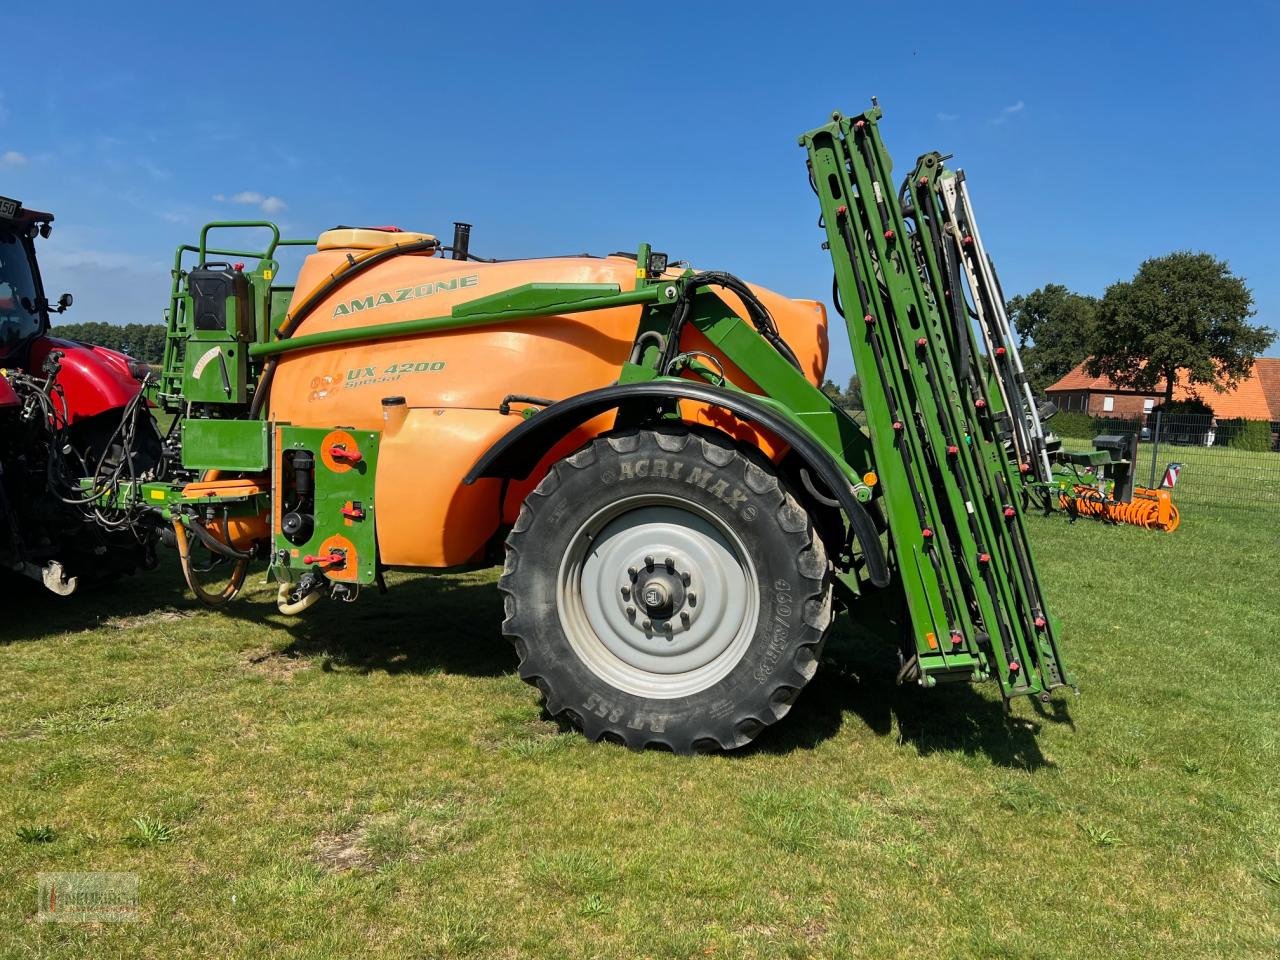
x: 1153, y: 509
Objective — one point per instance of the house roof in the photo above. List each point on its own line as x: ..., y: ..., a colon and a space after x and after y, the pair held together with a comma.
x: 1267, y: 372
x: 1256, y: 398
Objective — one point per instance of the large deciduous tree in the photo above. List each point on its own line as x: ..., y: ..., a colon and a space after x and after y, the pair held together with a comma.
x: 1053, y: 325
x: 1184, y: 311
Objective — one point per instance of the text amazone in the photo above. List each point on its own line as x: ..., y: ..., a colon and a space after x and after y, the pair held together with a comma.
x: 373, y: 301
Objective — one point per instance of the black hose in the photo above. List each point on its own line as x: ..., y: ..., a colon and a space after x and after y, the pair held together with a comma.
x: 214, y: 545
x: 757, y: 313
x: 504, y: 407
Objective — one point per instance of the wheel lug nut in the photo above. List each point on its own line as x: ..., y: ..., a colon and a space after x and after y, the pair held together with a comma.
x: 631, y: 613
x: 648, y: 624
x: 632, y: 572
x: 693, y: 599
x: 648, y: 563
x: 684, y: 578
x: 684, y: 617
x: 670, y: 565
x: 626, y: 593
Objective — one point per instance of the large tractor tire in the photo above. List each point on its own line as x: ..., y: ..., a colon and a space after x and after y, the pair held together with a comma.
x: 663, y: 589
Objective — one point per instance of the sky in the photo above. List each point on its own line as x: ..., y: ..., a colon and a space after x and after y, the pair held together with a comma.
x: 1093, y: 136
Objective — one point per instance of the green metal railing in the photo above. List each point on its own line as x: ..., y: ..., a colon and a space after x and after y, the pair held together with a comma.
x: 168, y: 390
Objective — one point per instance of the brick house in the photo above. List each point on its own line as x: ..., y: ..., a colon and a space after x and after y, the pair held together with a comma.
x: 1257, y: 398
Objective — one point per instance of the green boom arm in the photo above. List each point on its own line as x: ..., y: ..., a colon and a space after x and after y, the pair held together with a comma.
x: 951, y: 496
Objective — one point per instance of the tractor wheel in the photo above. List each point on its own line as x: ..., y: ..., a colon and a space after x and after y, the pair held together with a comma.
x: 663, y: 589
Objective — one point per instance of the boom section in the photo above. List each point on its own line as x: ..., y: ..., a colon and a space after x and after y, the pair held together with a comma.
x: 951, y: 494
x: 1027, y: 433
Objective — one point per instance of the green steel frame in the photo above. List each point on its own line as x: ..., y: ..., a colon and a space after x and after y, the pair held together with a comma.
x: 933, y: 454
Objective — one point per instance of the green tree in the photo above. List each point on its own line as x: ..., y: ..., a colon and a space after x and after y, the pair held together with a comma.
x: 1053, y: 326
x: 142, y: 341
x: 853, y: 394
x: 850, y: 399
x: 1184, y: 311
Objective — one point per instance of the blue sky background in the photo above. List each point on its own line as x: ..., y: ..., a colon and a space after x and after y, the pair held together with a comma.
x: 1094, y: 135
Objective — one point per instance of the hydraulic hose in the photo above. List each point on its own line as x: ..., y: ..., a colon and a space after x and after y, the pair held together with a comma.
x: 229, y: 592
x: 758, y: 313
x: 214, y: 545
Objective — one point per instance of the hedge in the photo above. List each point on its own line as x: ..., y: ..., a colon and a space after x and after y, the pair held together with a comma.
x: 1078, y: 426
x: 1242, y: 434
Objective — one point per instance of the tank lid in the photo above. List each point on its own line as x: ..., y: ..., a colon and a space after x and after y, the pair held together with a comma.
x: 366, y: 238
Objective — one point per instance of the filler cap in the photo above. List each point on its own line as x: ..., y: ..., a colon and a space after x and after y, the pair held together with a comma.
x: 366, y: 238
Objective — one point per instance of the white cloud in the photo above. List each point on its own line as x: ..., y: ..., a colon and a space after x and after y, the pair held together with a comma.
x: 1009, y: 111
x: 62, y: 257
x: 948, y: 117
x: 153, y: 169
x: 268, y: 204
x: 12, y: 158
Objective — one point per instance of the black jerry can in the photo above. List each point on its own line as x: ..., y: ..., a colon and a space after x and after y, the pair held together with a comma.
x: 220, y: 300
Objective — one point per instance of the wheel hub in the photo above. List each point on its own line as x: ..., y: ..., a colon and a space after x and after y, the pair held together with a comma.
x: 659, y: 593
x: 667, y: 598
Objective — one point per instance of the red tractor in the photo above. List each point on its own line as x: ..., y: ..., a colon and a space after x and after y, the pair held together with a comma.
x: 67, y: 411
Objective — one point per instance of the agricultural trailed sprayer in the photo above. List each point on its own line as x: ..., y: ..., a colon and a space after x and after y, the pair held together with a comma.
x: 679, y: 508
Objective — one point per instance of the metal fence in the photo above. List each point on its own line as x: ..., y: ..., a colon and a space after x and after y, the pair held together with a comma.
x: 1218, y: 462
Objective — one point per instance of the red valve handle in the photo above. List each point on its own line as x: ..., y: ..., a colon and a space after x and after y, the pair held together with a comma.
x: 331, y: 559
x: 339, y: 452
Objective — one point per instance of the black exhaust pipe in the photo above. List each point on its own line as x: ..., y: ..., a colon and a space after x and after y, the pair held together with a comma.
x: 461, y: 240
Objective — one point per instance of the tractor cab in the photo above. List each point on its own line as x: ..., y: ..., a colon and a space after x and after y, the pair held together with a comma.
x: 24, y: 309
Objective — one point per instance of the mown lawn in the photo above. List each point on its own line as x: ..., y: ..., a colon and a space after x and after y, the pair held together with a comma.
x: 375, y: 781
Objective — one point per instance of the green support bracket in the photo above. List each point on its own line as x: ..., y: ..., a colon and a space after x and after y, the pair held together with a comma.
x: 241, y: 446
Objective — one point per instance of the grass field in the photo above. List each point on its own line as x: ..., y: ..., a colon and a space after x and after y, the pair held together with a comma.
x: 375, y: 781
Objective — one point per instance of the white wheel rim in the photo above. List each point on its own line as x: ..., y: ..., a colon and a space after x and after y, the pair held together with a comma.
x: 657, y: 596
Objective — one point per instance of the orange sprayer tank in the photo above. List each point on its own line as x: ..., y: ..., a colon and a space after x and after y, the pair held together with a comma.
x: 453, y: 383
